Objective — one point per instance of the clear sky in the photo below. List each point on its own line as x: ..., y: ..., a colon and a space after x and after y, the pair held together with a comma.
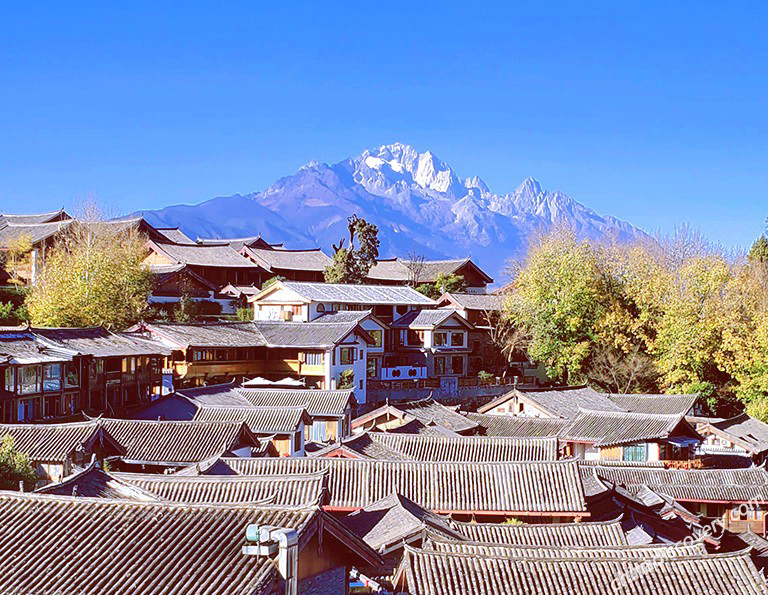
x: 654, y: 112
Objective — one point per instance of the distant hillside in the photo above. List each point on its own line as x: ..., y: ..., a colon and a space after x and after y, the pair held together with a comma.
x: 418, y: 202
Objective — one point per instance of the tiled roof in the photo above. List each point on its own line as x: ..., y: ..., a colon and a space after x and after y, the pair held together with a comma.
x: 204, y: 255
x: 518, y: 426
x: 653, y: 550
x: 733, y: 485
x: 610, y: 428
x: 744, y: 431
x: 58, y: 442
x: 331, y: 403
x: 309, y: 335
x: 34, y: 217
x: 305, y: 334
x: 260, y: 420
x: 278, y: 490
x: 427, y: 411
x: 415, y: 427
x: 19, y: 346
x: 394, y: 519
x: 424, y: 319
x: 661, y: 404
x: 584, y: 534
x: 94, y: 482
x: 177, y: 442
x: 215, y: 395
x: 424, y: 572
x: 174, y: 235
x: 100, y: 342
x: 55, y: 544
x: 291, y: 260
x: 398, y: 269
x: 441, y: 487
x: 357, y: 294
x: 562, y: 402
x: 404, y: 447
x: 488, y: 302
x: 11, y: 232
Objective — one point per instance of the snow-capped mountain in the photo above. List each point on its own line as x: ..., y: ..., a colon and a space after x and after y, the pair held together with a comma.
x: 419, y: 203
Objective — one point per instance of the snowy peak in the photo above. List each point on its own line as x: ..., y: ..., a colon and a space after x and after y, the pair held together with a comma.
x: 419, y: 203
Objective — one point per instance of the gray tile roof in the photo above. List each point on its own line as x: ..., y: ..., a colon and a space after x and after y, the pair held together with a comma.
x: 654, y: 550
x: 331, y: 403
x: 215, y: 395
x: 693, y: 485
x: 260, y: 420
x: 177, y: 442
x: 59, y: 442
x: 204, y: 255
x: 309, y: 335
x: 112, y: 546
x: 404, y: 447
x: 174, y: 235
x: 562, y: 402
x: 425, y: 572
x: 289, y: 260
x: 11, y: 232
x: 94, y: 482
x: 394, y: 519
x: 518, y: 426
x: 275, y: 490
x: 358, y: 294
x: 424, y: 319
x: 487, y: 302
x: 744, y: 431
x: 545, y: 487
x: 611, y: 428
x: 34, y: 217
x: 661, y: 404
x: 100, y: 342
x: 19, y: 346
x: 415, y: 427
x: 584, y: 534
x: 401, y: 270
x: 427, y: 411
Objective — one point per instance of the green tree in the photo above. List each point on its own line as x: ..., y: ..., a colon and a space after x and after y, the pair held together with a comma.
x: 352, y: 264
x: 759, y: 250
x: 15, y: 467
x: 94, y: 274
x: 558, y: 300
x: 449, y: 283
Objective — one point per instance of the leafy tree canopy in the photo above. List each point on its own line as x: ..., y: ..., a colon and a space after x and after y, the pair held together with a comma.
x: 15, y: 467
x: 352, y: 264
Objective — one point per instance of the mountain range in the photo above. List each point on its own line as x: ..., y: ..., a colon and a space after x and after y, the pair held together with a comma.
x: 419, y: 203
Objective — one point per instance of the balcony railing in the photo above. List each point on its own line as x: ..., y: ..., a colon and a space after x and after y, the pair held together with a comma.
x: 404, y: 373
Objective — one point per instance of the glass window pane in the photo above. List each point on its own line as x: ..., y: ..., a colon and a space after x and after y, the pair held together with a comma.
x: 52, y: 377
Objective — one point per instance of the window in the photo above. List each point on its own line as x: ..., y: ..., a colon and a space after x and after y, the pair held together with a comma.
x: 321, y: 308
x: 373, y: 367
x: 377, y: 338
x: 313, y: 359
x: 439, y: 365
x: 361, y: 385
x: 415, y: 337
x: 346, y: 355
x: 441, y: 339
x: 10, y: 380
x: 457, y: 365
x: 457, y: 339
x: 29, y: 380
x: 52, y: 377
x: 635, y: 452
x: 71, y: 375
x: 297, y: 442
x: 296, y: 310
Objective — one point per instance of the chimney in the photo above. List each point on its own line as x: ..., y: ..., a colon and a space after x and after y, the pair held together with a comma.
x: 268, y: 540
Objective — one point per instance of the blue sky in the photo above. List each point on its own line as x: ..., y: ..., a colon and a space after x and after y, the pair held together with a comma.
x: 652, y: 112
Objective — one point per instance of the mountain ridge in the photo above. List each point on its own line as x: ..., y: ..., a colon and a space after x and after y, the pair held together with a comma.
x: 419, y: 203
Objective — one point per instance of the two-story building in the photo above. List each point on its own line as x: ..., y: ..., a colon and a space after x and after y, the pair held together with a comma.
x: 55, y: 373
x: 324, y: 354
x: 434, y: 342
